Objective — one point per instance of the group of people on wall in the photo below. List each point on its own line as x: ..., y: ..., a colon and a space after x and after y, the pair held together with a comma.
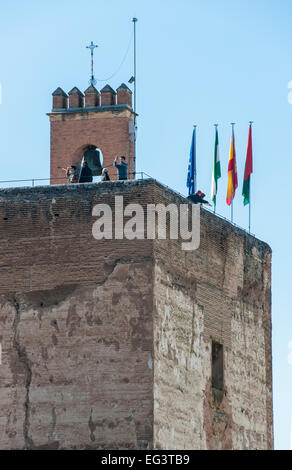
x: 84, y: 175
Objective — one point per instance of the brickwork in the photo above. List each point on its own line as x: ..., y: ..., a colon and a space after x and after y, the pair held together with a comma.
x: 75, y: 101
x: 60, y: 102
x: 219, y: 292
x: 60, y: 99
x: 92, y: 97
x: 95, y: 120
x: 72, y: 133
x: 108, y: 98
x: 124, y: 95
x: 107, y: 344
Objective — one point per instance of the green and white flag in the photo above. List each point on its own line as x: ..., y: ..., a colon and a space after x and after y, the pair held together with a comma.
x: 216, y: 169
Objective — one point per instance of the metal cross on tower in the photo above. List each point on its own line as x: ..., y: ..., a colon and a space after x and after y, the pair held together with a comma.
x: 92, y: 46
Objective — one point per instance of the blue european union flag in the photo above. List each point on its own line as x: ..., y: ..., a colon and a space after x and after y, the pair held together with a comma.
x: 192, y: 169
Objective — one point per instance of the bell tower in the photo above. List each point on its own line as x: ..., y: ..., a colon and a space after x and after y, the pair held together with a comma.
x: 91, y: 121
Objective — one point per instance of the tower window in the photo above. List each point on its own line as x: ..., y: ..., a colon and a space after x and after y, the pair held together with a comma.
x: 217, y: 366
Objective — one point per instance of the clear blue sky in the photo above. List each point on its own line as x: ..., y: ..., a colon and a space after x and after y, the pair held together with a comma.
x: 199, y: 62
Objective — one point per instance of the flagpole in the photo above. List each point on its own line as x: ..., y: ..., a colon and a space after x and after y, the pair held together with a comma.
x: 232, y: 126
x: 216, y: 127
x: 195, y: 151
x: 134, y: 20
x: 192, y: 167
x: 249, y: 208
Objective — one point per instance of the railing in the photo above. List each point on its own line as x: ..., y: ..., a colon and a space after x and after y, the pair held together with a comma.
x: 143, y: 175
x: 205, y: 207
x: 62, y: 180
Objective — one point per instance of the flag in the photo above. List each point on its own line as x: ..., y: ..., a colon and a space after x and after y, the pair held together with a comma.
x: 216, y: 169
x: 232, y: 172
x: 248, y: 170
x: 192, y: 170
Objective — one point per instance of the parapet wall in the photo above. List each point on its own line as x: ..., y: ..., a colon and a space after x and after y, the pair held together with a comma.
x: 91, y: 98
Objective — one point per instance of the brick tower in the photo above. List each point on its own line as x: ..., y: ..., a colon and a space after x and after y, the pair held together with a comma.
x: 103, y: 120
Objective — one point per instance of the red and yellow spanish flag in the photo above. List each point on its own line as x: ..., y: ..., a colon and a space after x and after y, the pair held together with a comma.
x: 232, y: 172
x: 247, y: 170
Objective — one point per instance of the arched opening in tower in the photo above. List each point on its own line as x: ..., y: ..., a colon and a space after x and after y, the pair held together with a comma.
x: 93, y: 156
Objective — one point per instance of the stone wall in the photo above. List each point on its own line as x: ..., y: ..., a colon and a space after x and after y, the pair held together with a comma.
x: 219, y: 292
x: 107, y: 344
x: 76, y: 323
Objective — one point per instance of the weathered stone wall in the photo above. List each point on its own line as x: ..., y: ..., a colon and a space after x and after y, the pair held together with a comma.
x: 219, y: 292
x: 76, y: 324
x: 71, y: 132
x: 107, y: 344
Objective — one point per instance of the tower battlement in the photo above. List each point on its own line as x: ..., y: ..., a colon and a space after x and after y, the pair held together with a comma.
x: 109, y: 97
x: 104, y: 120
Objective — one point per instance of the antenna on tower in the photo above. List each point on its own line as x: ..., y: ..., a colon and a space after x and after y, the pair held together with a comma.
x: 133, y: 79
x: 92, y: 46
